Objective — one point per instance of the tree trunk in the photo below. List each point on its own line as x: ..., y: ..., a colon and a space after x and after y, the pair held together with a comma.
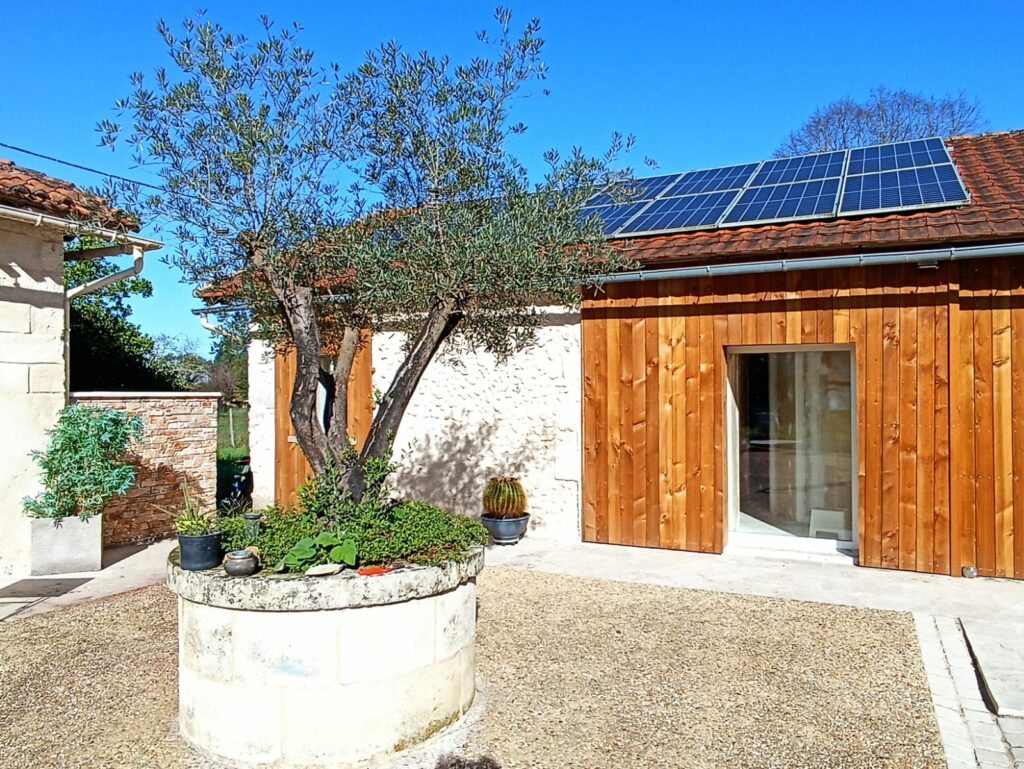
x: 326, y: 443
x: 439, y: 324
x: 299, y: 311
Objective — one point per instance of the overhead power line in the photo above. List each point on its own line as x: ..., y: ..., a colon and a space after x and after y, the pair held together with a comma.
x: 81, y: 167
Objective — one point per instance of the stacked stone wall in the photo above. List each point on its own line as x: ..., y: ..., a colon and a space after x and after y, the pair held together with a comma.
x: 179, y: 445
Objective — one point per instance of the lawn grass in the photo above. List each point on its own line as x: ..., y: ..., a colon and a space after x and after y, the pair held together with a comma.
x: 228, y: 453
x: 226, y: 449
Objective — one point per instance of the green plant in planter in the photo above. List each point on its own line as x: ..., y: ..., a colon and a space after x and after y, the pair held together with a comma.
x: 191, y: 521
x: 325, y: 547
x: 84, y: 463
x: 504, y: 497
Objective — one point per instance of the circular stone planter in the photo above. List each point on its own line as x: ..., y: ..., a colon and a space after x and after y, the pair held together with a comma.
x: 295, y: 671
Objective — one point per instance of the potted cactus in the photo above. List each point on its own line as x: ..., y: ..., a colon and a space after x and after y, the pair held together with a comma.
x: 505, y: 515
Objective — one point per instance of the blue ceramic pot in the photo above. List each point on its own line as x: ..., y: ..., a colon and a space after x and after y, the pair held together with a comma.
x: 505, y: 531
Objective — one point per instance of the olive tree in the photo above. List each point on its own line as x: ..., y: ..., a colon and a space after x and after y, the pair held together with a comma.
x: 335, y: 204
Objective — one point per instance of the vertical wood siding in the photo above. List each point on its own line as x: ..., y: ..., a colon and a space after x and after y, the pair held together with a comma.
x: 939, y: 369
x: 290, y: 466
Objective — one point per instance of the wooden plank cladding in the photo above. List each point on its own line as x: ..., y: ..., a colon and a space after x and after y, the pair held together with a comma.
x: 290, y: 466
x: 939, y: 383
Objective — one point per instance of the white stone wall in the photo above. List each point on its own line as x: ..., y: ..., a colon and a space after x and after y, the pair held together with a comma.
x: 32, y: 371
x: 476, y: 418
x: 470, y: 420
x: 261, y: 422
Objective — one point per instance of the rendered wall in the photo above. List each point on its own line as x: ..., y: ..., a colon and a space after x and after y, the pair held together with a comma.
x: 468, y: 421
x: 261, y: 422
x: 476, y: 418
x: 32, y: 384
x: 179, y: 444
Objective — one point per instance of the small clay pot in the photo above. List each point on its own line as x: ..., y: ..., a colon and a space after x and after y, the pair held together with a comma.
x: 240, y: 563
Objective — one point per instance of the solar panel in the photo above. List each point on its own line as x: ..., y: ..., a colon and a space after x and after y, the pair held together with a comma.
x: 696, y: 200
x: 804, y: 168
x: 633, y: 190
x: 681, y: 212
x: 866, y: 180
x: 891, y: 177
x: 804, y: 187
x: 613, y: 216
x: 890, y: 157
x: 712, y: 180
x: 616, y: 206
x: 798, y: 200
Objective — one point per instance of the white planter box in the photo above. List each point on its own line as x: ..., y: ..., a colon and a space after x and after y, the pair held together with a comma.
x: 75, y: 545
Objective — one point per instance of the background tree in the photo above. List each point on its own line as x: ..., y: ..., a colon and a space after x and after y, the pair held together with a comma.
x: 229, y: 372
x: 443, y: 234
x: 886, y: 116
x: 180, y: 356
x: 108, y: 351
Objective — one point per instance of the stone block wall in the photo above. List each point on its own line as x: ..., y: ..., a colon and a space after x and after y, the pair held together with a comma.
x: 32, y: 358
x: 179, y: 443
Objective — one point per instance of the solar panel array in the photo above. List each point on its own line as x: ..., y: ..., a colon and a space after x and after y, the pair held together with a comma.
x: 889, y: 177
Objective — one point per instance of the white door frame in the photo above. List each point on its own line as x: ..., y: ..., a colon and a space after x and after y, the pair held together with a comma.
x: 732, y: 448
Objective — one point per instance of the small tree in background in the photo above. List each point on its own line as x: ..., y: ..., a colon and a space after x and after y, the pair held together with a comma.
x: 337, y: 205
x: 886, y: 116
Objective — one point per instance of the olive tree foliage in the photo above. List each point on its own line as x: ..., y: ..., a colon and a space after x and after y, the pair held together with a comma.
x: 339, y: 204
x: 885, y: 116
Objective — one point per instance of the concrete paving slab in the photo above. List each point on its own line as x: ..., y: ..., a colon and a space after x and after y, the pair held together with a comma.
x: 781, y: 575
x: 997, y: 651
x: 126, y: 568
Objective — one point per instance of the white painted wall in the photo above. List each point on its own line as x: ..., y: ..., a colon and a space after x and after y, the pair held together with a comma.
x: 261, y: 422
x: 467, y: 421
x: 477, y: 418
x: 32, y: 371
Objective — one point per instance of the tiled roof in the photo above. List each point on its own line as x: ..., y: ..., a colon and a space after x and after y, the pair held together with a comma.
x: 34, y: 191
x: 991, y: 165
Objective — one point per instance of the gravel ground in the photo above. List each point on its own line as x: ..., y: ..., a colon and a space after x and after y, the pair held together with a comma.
x: 577, y: 673
x: 592, y: 673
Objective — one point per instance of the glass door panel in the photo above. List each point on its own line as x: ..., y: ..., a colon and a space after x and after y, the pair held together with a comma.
x: 795, y: 468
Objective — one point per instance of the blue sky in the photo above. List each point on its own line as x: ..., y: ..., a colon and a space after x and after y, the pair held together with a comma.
x: 699, y: 83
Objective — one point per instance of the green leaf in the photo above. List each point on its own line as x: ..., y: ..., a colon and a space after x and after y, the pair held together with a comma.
x: 306, y: 543
x: 345, y: 553
x: 326, y: 539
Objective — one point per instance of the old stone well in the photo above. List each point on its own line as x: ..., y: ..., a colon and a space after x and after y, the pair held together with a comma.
x: 295, y: 671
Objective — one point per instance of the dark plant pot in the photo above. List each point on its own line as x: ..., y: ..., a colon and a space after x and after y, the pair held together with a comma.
x: 199, y: 553
x: 240, y: 563
x: 505, y: 531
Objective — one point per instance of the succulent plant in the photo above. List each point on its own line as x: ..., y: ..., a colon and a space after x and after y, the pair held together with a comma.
x: 504, y: 497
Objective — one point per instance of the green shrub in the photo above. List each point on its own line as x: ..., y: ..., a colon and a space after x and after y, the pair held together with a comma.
x: 418, y: 533
x: 279, y: 530
x: 325, y: 498
x: 83, y: 465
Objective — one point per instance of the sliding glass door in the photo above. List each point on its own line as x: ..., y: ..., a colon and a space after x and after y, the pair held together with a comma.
x: 793, y: 442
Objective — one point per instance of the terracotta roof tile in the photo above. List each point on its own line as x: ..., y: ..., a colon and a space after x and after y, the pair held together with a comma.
x: 991, y: 165
x: 34, y: 191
